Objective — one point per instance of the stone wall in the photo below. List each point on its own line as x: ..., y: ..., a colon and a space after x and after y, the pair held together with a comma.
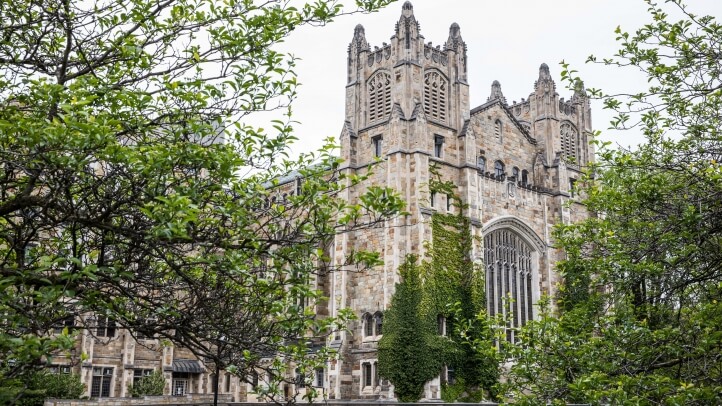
x: 191, y: 399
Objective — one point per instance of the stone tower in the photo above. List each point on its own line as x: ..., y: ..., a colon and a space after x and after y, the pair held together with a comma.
x: 407, y: 108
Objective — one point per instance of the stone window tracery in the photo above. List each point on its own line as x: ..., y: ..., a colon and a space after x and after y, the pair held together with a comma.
x: 508, y: 262
x: 435, y: 89
x: 372, y: 325
x: 570, y: 142
x: 379, y: 93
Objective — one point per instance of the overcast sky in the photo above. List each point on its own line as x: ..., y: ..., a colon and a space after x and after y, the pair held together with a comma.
x: 506, y: 41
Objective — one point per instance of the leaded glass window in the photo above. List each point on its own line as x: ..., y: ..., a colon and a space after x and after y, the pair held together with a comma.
x: 508, y: 261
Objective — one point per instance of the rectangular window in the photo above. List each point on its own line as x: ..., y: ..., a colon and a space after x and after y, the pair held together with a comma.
x: 300, y: 379
x: 254, y: 379
x: 60, y: 369
x: 450, y: 376
x: 320, y: 377
x: 572, y: 185
x: 448, y: 202
x: 106, y: 327
x: 433, y: 199
x: 378, y: 145
x: 67, y: 322
x: 139, y: 374
x: 228, y: 382
x: 438, y: 145
x: 100, y: 385
x: 180, y: 383
x: 367, y: 374
x: 180, y: 387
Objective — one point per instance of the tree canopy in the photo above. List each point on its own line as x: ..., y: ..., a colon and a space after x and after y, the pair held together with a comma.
x: 132, y: 190
x: 640, y: 317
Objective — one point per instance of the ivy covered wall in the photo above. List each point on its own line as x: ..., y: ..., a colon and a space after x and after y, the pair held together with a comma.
x: 437, y: 318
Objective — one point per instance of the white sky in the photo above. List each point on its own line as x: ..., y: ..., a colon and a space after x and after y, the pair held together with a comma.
x: 506, y: 41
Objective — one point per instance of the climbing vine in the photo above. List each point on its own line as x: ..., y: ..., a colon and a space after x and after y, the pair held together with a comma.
x: 449, y: 310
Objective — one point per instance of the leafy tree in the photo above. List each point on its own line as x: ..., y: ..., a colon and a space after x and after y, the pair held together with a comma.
x: 43, y: 385
x: 149, y: 385
x: 641, y: 313
x: 132, y: 190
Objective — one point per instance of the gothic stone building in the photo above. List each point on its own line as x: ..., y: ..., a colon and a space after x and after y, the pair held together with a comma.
x: 407, y: 108
x: 407, y: 105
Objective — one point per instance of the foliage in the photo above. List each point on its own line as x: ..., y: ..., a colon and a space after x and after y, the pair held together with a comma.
x: 452, y: 288
x: 131, y: 188
x: 149, y: 385
x: 641, y: 316
x: 41, y: 385
x: 409, y: 344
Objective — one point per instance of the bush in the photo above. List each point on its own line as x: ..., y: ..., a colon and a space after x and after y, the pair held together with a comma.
x: 149, y: 385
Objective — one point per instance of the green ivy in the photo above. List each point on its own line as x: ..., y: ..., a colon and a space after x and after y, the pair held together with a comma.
x: 447, y: 284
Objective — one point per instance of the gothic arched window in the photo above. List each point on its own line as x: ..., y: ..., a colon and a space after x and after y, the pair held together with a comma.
x: 378, y: 323
x: 508, y: 261
x: 379, y: 88
x: 368, y: 325
x: 498, y: 168
x: 570, y: 142
x: 435, y: 96
x: 481, y: 163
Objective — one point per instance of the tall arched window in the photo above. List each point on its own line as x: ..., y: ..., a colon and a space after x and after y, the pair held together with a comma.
x: 515, y: 173
x: 379, y: 88
x: 368, y: 325
x: 378, y: 323
x: 524, y: 177
x: 435, y: 89
x: 498, y: 168
x: 570, y: 142
x: 508, y: 261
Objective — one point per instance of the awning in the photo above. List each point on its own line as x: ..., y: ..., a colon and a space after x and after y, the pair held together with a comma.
x: 189, y: 366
